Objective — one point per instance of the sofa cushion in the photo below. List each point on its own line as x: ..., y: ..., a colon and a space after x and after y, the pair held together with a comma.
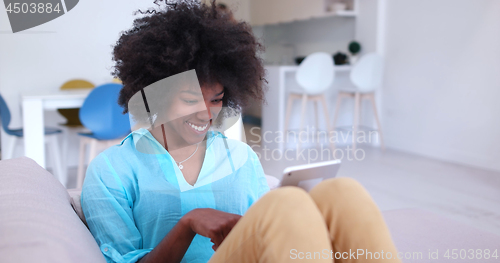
x: 37, y: 222
x: 75, y: 199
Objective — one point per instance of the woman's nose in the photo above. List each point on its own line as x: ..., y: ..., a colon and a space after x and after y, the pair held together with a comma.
x: 205, y: 114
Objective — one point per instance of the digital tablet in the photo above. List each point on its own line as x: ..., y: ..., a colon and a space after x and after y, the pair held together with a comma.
x: 309, y: 175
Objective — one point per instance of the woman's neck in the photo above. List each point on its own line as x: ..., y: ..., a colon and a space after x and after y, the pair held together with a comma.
x: 176, y: 146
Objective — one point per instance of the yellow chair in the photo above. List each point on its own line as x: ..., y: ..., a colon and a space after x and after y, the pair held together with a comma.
x: 117, y: 80
x: 72, y: 117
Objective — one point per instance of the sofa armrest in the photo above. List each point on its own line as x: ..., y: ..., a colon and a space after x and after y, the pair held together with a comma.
x: 37, y: 223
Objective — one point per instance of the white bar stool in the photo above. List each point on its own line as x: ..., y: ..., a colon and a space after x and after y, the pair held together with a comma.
x: 315, y: 75
x: 366, y: 75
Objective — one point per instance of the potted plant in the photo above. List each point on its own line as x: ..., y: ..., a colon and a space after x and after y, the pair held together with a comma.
x: 354, y: 47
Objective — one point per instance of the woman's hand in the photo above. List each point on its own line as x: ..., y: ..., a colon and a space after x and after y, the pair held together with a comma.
x: 212, y: 223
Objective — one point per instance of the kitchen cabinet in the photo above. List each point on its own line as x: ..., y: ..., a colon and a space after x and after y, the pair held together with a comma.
x: 266, y: 12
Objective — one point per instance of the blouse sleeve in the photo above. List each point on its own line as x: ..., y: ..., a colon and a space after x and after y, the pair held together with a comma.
x: 107, y: 206
x: 261, y: 177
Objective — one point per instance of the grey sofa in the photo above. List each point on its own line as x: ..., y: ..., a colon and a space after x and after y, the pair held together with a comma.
x: 41, y: 221
x: 37, y: 220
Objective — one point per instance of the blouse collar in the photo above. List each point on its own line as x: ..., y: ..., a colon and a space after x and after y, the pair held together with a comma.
x: 145, y: 142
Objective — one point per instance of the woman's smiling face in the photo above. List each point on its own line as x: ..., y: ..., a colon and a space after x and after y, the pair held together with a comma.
x: 191, y: 113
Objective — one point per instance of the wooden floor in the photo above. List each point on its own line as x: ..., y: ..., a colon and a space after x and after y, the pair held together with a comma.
x: 401, y: 180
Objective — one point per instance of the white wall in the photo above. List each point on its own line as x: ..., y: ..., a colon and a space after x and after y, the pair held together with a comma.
x: 75, y: 45
x: 441, y: 96
x: 366, y: 25
x: 330, y: 34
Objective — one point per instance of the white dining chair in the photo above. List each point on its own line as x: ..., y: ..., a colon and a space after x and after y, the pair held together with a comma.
x: 315, y: 75
x: 101, y: 114
x: 366, y: 75
x: 16, y: 135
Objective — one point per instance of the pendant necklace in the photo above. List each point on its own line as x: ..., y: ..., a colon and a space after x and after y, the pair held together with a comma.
x: 180, y: 163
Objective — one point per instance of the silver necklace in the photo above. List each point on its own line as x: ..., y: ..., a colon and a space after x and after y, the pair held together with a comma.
x: 180, y: 163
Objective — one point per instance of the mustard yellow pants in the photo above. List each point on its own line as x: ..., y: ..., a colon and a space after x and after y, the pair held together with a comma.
x: 337, y: 221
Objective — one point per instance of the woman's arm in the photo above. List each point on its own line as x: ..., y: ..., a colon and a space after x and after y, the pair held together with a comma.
x: 207, y: 222
x: 173, y: 246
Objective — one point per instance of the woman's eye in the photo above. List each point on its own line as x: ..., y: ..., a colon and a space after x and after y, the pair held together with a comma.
x: 217, y: 100
x: 190, y: 101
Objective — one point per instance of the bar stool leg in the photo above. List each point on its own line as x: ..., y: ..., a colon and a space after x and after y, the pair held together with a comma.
x: 357, y: 102
x: 316, y: 110
x: 372, y: 99
x: 302, y: 119
x: 327, y: 122
x: 337, y: 108
x: 287, y: 117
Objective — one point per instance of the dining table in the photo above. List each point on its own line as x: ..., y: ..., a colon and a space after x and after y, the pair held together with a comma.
x: 34, y: 105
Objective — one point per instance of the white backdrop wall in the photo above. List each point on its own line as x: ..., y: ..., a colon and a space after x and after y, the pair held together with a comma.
x: 441, y: 87
x: 442, y: 81
x: 75, y: 45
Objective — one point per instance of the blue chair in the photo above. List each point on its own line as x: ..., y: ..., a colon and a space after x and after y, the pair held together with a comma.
x: 15, y: 134
x: 101, y: 114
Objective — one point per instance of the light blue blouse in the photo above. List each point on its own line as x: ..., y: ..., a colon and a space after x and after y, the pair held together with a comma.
x: 132, y: 199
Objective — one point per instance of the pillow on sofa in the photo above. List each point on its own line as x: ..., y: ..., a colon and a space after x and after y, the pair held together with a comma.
x: 76, y: 203
x: 37, y: 223
x: 272, y: 182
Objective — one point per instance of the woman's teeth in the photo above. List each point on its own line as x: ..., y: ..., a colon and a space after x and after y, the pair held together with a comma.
x: 198, y: 128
